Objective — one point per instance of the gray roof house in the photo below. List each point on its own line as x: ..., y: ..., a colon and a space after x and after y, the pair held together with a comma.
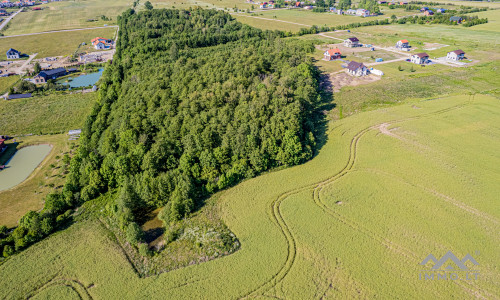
x: 13, y: 54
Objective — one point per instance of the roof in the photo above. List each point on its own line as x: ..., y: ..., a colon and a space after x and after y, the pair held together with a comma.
x: 53, y: 71
x: 353, y: 39
x: 455, y: 18
x: 12, y: 50
x: 404, y: 41
x: 458, y: 52
x: 333, y: 51
x: 19, y: 96
x: 353, y: 66
x: 421, y: 55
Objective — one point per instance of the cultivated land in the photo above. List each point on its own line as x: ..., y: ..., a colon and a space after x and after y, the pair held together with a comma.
x: 54, y: 44
x: 303, y: 229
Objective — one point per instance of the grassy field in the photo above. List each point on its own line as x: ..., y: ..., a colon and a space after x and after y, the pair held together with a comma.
x: 45, y: 114
x: 53, y: 44
x: 6, y: 83
x: 67, y: 15
x: 29, y: 195
x: 347, y: 224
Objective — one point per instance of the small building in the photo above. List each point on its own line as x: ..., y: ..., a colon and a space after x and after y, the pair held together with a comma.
x: 357, y: 69
x: 441, y: 10
x: 297, y: 4
x: 100, y: 43
x: 351, y: 42
x: 403, y: 3
x: 18, y: 96
x: 45, y: 75
x: 332, y: 54
x: 376, y: 72
x: 425, y: 8
x: 403, y: 44
x: 455, y: 55
x: 340, y: 12
x: 351, y: 12
x: 420, y: 58
x: 428, y: 13
x: 362, y: 12
x: 263, y: 5
x: 13, y: 54
x: 457, y: 20
x: 381, y: 2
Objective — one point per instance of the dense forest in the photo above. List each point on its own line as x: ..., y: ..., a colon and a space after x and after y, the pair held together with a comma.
x: 192, y: 103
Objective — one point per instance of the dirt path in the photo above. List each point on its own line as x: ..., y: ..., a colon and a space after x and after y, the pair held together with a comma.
x: 273, y: 20
x: 9, y: 18
x: 54, y: 31
x: 20, y: 69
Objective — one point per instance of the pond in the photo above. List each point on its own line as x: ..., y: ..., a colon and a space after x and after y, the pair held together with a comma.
x: 82, y: 80
x: 22, y: 164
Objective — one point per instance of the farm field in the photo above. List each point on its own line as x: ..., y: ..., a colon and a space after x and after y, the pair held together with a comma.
x: 336, y: 226
x: 45, y: 114
x: 54, y: 44
x: 45, y: 179
x: 6, y: 83
x: 66, y: 15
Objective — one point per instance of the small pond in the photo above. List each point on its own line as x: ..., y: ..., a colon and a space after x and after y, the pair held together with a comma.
x: 22, y: 164
x: 82, y: 80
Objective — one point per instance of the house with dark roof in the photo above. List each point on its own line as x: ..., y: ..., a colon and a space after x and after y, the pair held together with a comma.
x: 441, y: 10
x: 45, y: 75
x: 428, y: 13
x: 351, y: 42
x: 13, y: 54
x: 332, y: 54
x: 455, y: 55
x: 357, y: 69
x: 425, y: 8
x: 458, y: 20
x: 402, y: 44
x: 420, y: 58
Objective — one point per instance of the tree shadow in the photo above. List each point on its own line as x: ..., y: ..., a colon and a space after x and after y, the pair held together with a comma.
x: 320, y: 112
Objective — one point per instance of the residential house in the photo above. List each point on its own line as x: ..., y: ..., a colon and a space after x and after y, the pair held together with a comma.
x: 441, y: 10
x: 455, y: 55
x: 428, y: 12
x: 100, y: 43
x: 13, y: 54
x: 403, y: 44
x: 45, y: 75
x: 362, y: 12
x: 351, y: 12
x: 420, y: 58
x: 340, y: 12
x: 297, y: 4
x: 458, y: 20
x: 381, y: 2
x: 352, y: 42
x: 357, y: 69
x: 425, y: 8
x: 262, y: 5
x: 332, y: 54
x: 403, y: 3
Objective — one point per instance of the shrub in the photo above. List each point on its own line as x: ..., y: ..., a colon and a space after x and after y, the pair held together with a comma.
x: 134, y: 233
x: 144, y: 249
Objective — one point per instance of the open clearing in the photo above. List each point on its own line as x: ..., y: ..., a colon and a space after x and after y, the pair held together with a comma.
x: 299, y: 242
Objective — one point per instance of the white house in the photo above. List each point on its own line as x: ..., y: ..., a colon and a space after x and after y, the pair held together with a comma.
x: 455, y: 55
x: 357, y: 69
x: 402, y: 44
x: 13, y: 54
x: 351, y: 42
x: 420, y: 58
x: 362, y: 12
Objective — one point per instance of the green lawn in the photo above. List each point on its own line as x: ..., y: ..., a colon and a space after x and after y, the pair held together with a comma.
x: 67, y: 15
x: 6, y: 83
x: 45, y: 114
x: 53, y: 44
x: 324, y: 228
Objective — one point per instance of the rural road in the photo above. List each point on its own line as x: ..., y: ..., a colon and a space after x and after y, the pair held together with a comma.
x: 54, y: 31
x: 271, y: 20
x: 9, y: 18
x: 21, y: 68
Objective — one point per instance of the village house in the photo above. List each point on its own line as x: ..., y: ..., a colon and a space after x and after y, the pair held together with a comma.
x: 362, y: 12
x: 351, y: 42
x: 425, y: 8
x: 403, y: 3
x: 428, y: 13
x: 458, y: 20
x: 100, y: 43
x: 403, y: 44
x: 351, y: 12
x: 420, y: 58
x: 381, y: 2
x: 13, y: 54
x: 455, y: 55
x: 440, y: 10
x: 263, y: 5
x: 45, y: 75
x: 357, y: 69
x: 332, y: 54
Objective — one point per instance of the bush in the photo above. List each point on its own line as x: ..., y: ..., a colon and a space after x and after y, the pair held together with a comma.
x: 8, y: 250
x: 134, y: 233
x: 144, y: 249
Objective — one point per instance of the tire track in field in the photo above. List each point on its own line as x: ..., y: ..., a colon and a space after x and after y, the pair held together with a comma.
x: 279, y: 220
x: 386, y: 242
x: 73, y: 284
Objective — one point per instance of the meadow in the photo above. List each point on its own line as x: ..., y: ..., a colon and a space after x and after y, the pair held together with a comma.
x: 6, y: 83
x: 54, y: 113
x: 67, y: 15
x: 54, y: 43
x: 349, y: 223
